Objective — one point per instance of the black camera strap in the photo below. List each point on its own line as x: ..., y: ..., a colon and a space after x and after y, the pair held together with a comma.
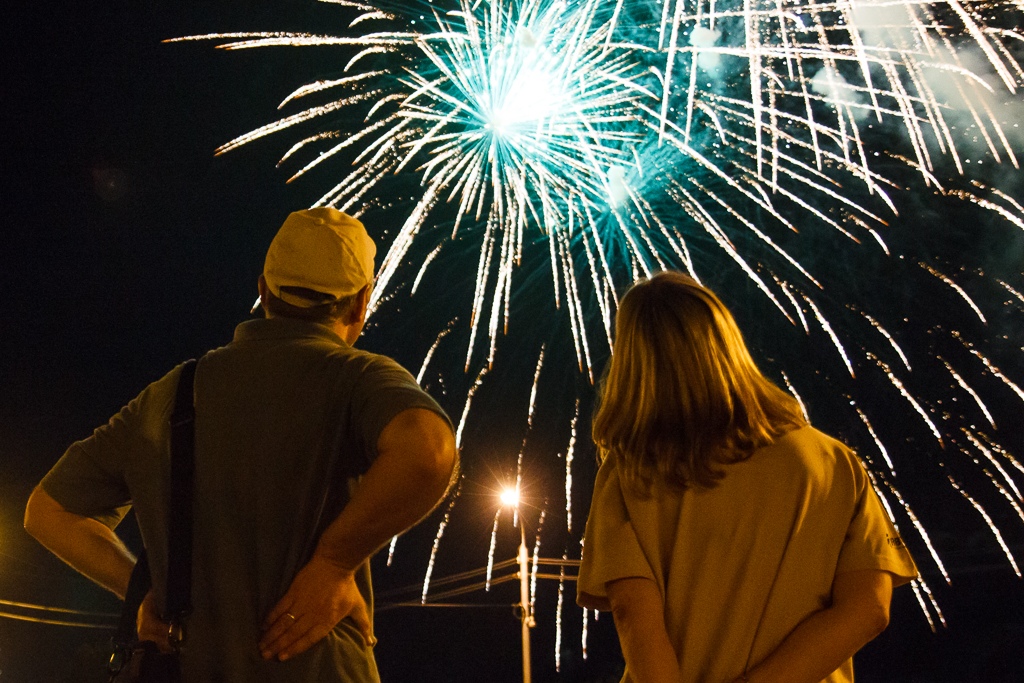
x: 178, y: 603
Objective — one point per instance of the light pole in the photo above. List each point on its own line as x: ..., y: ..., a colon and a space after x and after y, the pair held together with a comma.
x: 510, y: 497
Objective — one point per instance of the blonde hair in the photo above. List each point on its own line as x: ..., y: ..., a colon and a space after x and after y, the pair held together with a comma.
x: 682, y: 396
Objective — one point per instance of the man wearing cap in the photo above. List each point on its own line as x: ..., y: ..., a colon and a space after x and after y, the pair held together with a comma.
x: 288, y: 416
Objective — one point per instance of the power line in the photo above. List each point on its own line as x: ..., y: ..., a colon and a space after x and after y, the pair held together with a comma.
x: 431, y: 600
x: 62, y: 610
x: 434, y: 597
x: 469, y: 605
x: 54, y: 622
x: 48, y: 609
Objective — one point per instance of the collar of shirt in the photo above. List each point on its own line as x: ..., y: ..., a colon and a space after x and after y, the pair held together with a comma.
x: 284, y: 328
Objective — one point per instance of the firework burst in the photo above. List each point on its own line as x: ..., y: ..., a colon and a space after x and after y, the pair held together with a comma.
x: 770, y: 143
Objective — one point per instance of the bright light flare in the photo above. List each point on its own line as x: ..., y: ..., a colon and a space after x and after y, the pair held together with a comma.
x: 509, y: 497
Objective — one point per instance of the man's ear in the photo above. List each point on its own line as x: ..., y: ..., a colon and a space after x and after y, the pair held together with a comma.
x: 357, y: 314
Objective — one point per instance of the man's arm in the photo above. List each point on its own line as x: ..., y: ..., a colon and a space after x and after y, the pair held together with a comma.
x: 415, y: 461
x: 640, y: 622
x: 827, y: 638
x: 87, y: 545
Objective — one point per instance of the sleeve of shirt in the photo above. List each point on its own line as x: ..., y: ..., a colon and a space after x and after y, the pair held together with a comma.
x: 386, y: 389
x: 90, y: 478
x: 611, y: 549
x: 872, y: 541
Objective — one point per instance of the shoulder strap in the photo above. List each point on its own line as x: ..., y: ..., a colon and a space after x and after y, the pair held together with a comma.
x: 179, y: 537
x: 138, y: 586
x: 178, y: 603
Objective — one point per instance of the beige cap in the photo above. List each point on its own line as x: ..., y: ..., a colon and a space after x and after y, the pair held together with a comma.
x: 321, y: 249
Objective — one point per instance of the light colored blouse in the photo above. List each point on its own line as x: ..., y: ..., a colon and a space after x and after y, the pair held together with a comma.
x: 741, y: 564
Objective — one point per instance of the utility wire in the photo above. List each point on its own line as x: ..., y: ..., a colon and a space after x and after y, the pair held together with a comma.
x: 62, y: 610
x: 444, y: 581
x: 462, y: 590
x: 470, y: 605
x: 55, y: 622
x: 454, y: 578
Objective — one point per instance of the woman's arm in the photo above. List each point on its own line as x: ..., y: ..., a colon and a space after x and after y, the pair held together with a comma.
x: 640, y: 622
x: 823, y: 641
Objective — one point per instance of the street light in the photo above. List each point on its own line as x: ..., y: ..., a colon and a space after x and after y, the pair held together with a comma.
x: 510, y: 498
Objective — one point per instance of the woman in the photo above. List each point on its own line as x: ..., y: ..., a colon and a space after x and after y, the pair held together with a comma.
x: 731, y: 541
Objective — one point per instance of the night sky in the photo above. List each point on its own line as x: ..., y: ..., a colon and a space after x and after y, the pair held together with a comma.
x: 128, y: 246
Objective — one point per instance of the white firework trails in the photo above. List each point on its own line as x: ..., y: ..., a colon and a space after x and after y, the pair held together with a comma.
x: 776, y: 140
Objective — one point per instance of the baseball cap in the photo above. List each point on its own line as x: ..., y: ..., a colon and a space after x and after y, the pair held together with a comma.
x: 320, y: 249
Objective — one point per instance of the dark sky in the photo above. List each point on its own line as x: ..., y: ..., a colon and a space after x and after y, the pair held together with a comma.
x: 128, y: 246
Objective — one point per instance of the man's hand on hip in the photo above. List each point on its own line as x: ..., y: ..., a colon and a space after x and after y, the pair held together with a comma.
x: 320, y: 596
x: 415, y: 461
x: 149, y: 625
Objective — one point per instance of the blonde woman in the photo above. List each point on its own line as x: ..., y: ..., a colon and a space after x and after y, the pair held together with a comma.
x: 730, y: 540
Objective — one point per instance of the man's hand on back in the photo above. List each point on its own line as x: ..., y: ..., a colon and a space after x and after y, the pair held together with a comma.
x: 416, y: 459
x: 320, y: 596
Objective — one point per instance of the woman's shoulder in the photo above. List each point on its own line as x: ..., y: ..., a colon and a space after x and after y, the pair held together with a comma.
x: 813, y: 447
x: 809, y: 437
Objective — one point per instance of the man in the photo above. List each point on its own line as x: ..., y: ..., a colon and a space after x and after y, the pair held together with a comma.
x: 288, y: 415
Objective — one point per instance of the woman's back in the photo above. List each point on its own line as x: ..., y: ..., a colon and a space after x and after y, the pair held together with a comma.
x: 742, y: 563
x: 720, y: 520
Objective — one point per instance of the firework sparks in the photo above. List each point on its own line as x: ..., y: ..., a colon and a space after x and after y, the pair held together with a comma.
x: 535, y: 563
x: 584, y: 632
x: 437, y: 544
x: 569, y: 454
x: 757, y: 145
x: 558, y: 616
x: 490, y: 552
x: 991, y: 525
